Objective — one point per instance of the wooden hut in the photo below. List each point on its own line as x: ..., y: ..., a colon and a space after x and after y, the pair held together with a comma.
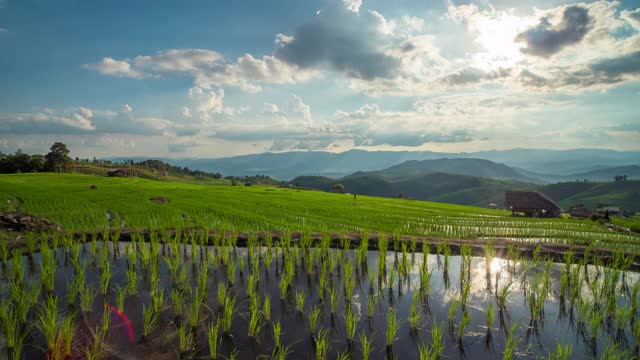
x: 531, y: 203
x: 117, y: 172
x: 580, y: 211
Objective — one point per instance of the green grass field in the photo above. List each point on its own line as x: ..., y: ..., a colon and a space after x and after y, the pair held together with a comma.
x: 68, y: 200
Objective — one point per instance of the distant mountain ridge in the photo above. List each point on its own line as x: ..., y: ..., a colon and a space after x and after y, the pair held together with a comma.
x: 425, y: 180
x: 543, y: 165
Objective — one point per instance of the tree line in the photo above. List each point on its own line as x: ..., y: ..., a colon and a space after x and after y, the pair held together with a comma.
x: 56, y: 160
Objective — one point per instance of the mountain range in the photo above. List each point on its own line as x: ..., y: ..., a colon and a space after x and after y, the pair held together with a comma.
x: 539, y: 166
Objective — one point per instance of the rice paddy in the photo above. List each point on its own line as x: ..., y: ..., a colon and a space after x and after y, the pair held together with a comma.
x: 197, y: 294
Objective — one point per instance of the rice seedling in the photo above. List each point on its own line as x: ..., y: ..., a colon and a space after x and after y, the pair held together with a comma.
x: 87, y: 296
x: 511, y: 343
x: 121, y: 293
x: 266, y: 307
x: 11, y: 324
x: 185, y: 342
x: 97, y: 349
x: 48, y: 322
x: 414, y: 315
x: 351, y: 322
x: 392, y: 327
x: 562, y: 352
x: 212, y: 339
x: 464, y: 322
x: 132, y: 281
x: 277, y: 331
x: 300, y: 298
x: 371, y: 306
x: 365, y: 345
x: 105, y: 278
x: 322, y: 345
x: 314, y: 316
x: 177, y: 301
x: 503, y: 290
x: 454, y: 304
x: 333, y: 299
x: 254, y: 318
x: 149, y: 320
x: 221, y: 295
x: 227, y: 314
x: 490, y: 315
x: 194, y: 307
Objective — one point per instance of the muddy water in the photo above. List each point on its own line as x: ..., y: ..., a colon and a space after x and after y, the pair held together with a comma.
x: 557, y: 326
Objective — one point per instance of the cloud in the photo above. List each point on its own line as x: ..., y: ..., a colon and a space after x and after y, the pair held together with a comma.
x: 352, y: 5
x: 208, y: 68
x: 343, y: 41
x: 632, y: 17
x: 3, y: 29
x: 270, y: 108
x: 546, y: 39
x: 298, y: 106
x: 181, y: 147
x: 75, y: 121
x: 126, y: 108
x: 205, y: 102
x: 118, y: 68
x: 186, y: 112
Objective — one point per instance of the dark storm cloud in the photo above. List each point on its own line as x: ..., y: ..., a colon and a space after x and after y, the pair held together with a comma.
x: 614, y: 68
x: 345, y: 41
x: 545, y: 40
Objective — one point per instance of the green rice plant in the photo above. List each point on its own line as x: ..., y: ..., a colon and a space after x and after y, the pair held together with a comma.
x: 425, y: 281
x: 314, y: 316
x: 48, y: 322
x: 333, y: 299
x: 277, y: 331
x: 266, y: 307
x: 562, y: 352
x: 344, y: 356
x: 221, y: 295
x: 301, y: 297
x: 464, y: 322
x: 414, y: 315
x: 185, y: 341
x: 158, y: 300
x: 392, y: 327
x: 149, y: 320
x: 121, y: 293
x: 503, y: 290
x: 212, y: 339
x: 511, y: 343
x: 454, y: 305
x: 227, y: 314
x: 322, y: 345
x: 371, y: 306
x: 194, y: 307
x: 97, y: 349
x: 255, y: 322
x: 284, y: 286
x: 132, y: 281
x: 17, y: 266
x: 105, y: 279
x: 87, y: 296
x: 105, y: 322
x: 351, y: 322
x: 177, y: 301
x: 11, y: 324
x: 365, y: 345
x: 490, y: 315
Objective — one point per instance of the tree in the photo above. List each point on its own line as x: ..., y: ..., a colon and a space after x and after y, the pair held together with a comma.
x: 58, y: 158
x: 338, y: 188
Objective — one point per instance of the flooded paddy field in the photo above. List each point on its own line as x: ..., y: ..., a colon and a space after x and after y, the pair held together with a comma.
x: 178, y: 298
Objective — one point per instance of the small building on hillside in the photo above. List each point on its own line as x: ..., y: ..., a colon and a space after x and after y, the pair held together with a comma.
x: 611, y: 210
x: 531, y: 203
x: 118, y: 172
x: 493, y: 206
x: 580, y: 211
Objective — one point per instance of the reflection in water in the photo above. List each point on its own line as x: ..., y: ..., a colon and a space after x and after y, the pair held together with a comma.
x: 477, y: 301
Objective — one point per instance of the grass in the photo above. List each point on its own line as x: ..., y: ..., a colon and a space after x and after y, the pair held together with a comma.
x: 67, y: 199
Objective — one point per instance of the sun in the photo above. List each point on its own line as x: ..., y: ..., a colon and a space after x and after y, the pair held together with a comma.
x: 497, y: 37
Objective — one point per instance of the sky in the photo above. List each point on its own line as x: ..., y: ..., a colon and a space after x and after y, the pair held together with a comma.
x: 198, y: 79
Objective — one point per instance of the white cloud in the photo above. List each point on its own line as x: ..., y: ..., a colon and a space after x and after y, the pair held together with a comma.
x: 298, y: 106
x: 3, y: 30
x: 126, y: 108
x: 352, y: 5
x: 632, y: 17
x: 386, y: 27
x: 270, y: 108
x: 208, y: 68
x: 206, y: 102
x: 186, y: 112
x: 119, y: 68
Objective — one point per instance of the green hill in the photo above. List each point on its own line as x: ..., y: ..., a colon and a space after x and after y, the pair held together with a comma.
x: 415, y: 180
